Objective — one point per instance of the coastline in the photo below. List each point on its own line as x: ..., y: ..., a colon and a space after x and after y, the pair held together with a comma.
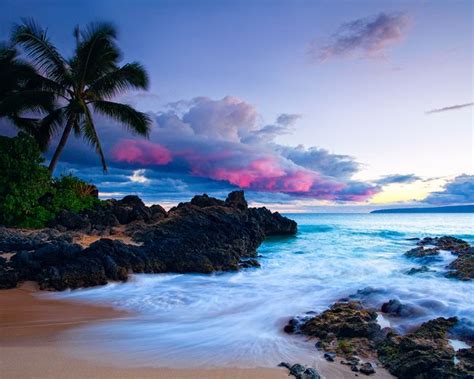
x: 30, y: 343
x: 32, y: 346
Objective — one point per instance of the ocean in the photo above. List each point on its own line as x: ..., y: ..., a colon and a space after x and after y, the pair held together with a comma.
x: 236, y: 319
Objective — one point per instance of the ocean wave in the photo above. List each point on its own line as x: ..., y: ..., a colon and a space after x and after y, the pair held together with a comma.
x: 237, y: 318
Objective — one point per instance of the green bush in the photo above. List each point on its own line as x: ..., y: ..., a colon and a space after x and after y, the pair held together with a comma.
x: 29, y: 197
x: 73, y: 194
x: 345, y: 346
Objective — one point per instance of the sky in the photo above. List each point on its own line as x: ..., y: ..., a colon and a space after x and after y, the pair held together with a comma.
x: 306, y: 105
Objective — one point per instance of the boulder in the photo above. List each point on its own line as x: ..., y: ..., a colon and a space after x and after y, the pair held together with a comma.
x: 67, y: 220
x: 449, y: 243
x: 204, y: 201
x: 367, y: 369
x: 273, y: 224
x: 395, y: 308
x: 466, y: 360
x: 343, y: 320
x: 329, y: 356
x: 158, y: 212
x: 237, y: 200
x: 300, y: 371
x: 425, y: 353
x: 346, y: 328
x: 463, y: 266
x: 421, y: 252
x: 108, y: 214
x: 418, y: 270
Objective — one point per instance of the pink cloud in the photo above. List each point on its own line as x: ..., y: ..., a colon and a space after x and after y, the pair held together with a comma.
x: 266, y: 174
x: 222, y: 140
x: 141, y: 151
x: 258, y: 173
x: 370, y: 37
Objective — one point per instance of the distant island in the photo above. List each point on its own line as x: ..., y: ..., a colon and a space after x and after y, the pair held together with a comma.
x: 447, y: 209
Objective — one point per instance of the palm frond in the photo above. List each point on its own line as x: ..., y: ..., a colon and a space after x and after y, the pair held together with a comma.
x: 46, y: 84
x: 49, y: 126
x: 39, y: 48
x: 96, y: 53
x: 26, y: 124
x: 137, y: 122
x: 14, y: 72
x: 26, y: 100
x: 131, y: 76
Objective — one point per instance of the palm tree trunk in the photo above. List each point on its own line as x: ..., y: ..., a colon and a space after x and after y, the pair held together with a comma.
x: 60, y: 147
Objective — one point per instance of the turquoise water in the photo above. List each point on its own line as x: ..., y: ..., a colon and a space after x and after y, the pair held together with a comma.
x: 235, y: 319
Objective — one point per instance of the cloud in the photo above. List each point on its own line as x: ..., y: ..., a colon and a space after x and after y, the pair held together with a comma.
x: 215, y: 146
x: 150, y: 185
x: 284, y: 124
x: 367, y: 37
x: 141, y: 152
x: 287, y: 119
x: 450, y: 108
x: 138, y: 176
x: 459, y: 191
x: 221, y: 140
x: 320, y: 160
x: 226, y: 119
x: 398, y: 178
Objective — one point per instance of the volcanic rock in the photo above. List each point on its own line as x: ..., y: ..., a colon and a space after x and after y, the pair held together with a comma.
x: 449, y: 243
x: 201, y: 236
x: 345, y: 328
x: 425, y: 353
x: 421, y: 252
x: 463, y: 266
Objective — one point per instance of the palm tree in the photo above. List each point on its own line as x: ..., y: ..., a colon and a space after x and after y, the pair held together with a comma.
x: 84, y: 84
x: 21, y: 94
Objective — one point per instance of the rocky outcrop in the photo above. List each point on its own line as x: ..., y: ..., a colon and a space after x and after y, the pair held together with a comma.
x: 202, y: 236
x: 343, y: 320
x: 465, y: 358
x: 421, y: 252
x: 395, y: 308
x: 346, y: 328
x: 300, y: 372
x: 461, y: 268
x: 108, y: 214
x: 423, y: 354
x: 418, y: 270
x: 449, y: 243
x: 349, y: 330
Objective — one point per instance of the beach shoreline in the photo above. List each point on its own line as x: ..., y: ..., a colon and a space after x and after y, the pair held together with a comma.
x: 32, y: 347
x: 32, y: 344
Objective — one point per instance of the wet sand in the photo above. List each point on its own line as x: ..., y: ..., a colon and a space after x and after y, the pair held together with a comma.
x: 31, y: 345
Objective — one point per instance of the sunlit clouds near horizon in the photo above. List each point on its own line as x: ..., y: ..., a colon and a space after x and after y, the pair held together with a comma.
x: 307, y: 106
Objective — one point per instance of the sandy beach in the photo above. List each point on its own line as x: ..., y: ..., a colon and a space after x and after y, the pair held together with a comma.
x: 31, y: 344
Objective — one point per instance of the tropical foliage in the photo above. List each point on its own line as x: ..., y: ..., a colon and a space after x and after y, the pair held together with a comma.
x: 80, y: 86
x: 29, y: 196
x: 21, y: 91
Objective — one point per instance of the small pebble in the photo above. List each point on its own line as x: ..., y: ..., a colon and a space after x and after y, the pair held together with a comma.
x: 367, y: 369
x: 329, y: 357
